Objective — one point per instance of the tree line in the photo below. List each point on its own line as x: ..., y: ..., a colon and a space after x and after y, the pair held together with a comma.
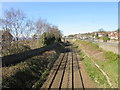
x: 20, y: 26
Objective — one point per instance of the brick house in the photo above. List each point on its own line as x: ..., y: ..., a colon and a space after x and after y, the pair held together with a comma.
x: 5, y: 38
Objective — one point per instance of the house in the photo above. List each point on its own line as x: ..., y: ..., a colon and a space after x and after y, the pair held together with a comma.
x: 5, y: 38
x: 0, y: 40
x: 101, y: 34
x: 1, y: 32
x: 113, y: 35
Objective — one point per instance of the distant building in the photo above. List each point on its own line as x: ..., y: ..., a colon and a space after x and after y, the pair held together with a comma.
x: 1, y: 33
x: 78, y: 35
x: 5, y: 38
x: 113, y: 35
x: 101, y: 34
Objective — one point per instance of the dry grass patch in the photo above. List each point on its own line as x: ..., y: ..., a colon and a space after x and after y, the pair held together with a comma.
x: 27, y: 73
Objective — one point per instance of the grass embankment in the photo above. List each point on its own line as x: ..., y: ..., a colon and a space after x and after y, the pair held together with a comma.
x: 108, y: 62
x: 32, y: 43
x: 99, y: 79
x: 22, y: 47
x: 32, y: 72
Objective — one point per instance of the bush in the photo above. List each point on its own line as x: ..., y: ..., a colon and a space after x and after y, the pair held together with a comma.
x: 105, y: 39
x: 111, y: 56
x: 48, y: 38
x: 31, y: 73
x: 21, y: 48
x: 88, y: 43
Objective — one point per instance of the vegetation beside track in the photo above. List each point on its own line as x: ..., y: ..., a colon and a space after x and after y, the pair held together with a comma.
x: 32, y: 72
x: 108, y: 62
x: 96, y: 75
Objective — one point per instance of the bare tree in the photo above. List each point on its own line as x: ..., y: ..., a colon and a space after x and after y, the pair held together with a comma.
x: 30, y: 27
x: 40, y: 23
x: 47, y: 27
x: 14, y: 20
x: 101, y: 30
x: 56, y: 32
x: 5, y: 36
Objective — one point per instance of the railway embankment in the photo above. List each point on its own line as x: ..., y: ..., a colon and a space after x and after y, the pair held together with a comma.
x: 31, y: 72
x: 102, y: 66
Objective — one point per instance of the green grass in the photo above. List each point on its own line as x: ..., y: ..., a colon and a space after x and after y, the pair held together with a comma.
x: 109, y: 64
x: 41, y: 80
x: 88, y: 43
x: 111, y: 56
x: 97, y: 76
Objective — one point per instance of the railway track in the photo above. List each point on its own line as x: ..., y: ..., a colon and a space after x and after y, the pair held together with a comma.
x: 65, y: 72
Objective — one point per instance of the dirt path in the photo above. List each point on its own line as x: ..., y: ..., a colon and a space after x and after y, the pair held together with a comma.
x: 68, y: 72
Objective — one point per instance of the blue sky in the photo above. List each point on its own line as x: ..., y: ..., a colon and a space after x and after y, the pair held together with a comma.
x: 71, y: 17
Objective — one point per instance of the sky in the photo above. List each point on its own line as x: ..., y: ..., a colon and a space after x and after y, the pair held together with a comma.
x: 71, y: 17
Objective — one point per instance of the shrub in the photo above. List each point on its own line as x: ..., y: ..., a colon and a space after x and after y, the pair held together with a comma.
x: 31, y: 73
x: 105, y: 39
x: 88, y: 43
x: 48, y: 38
x: 21, y: 48
x: 111, y: 56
